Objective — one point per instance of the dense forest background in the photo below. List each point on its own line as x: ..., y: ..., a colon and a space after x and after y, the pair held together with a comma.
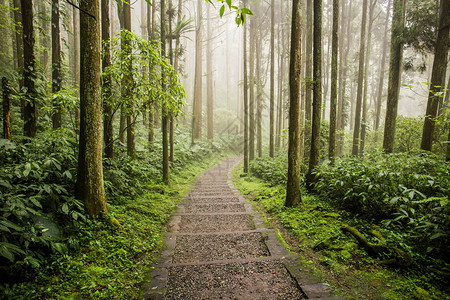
x: 110, y: 109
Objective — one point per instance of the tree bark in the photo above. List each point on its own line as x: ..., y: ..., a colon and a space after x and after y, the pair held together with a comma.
x: 76, y: 63
x: 437, y: 76
x: 29, y: 69
x: 272, y: 78
x: 56, y: 65
x: 165, y: 114
x: 106, y: 87
x: 334, y: 78
x: 359, y: 92
x: 308, y: 63
x: 90, y: 188
x: 395, y: 63
x: 314, y: 155
x: 6, y: 109
x: 293, y: 195
x: 197, y: 107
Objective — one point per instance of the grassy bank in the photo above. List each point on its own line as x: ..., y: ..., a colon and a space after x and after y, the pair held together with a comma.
x: 313, y: 230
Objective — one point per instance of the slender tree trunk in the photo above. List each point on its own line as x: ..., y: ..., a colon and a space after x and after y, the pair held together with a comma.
x: 308, y: 62
x: 272, y: 79
x: 76, y: 63
x: 396, y: 53
x: 197, y: 113
x: 382, y: 72
x: 171, y: 55
x: 437, y: 76
x: 19, y: 49
x: 340, y: 103
x: 359, y: 93
x: 334, y: 78
x: 293, y: 195
x: 258, y: 94
x: 246, y: 154
x: 280, y: 83
x: 128, y: 81
x: 90, y: 188
x: 6, y: 109
x: 209, y: 78
x: 44, y: 39
x: 317, y: 94
x: 56, y: 64
x: 150, y: 28
x: 364, y: 123
x: 165, y: 114
x: 251, y: 113
x: 106, y: 87
x: 29, y: 69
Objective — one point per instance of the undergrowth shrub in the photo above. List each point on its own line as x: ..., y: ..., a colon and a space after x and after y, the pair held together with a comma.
x: 405, y: 190
x: 272, y: 170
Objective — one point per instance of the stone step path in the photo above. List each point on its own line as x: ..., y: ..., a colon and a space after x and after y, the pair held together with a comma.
x: 218, y: 247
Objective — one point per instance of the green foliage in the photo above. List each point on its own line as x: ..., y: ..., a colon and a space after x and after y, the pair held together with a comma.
x: 337, y: 258
x: 241, y: 12
x: 36, y: 180
x: 272, y: 170
x: 400, y: 188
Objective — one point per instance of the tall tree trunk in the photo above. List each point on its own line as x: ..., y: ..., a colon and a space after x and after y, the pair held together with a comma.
x: 334, y: 78
x: 258, y: 93
x: 308, y: 71
x: 359, y: 92
x: 197, y: 107
x: 395, y: 63
x: 164, y: 114
x: 29, y: 69
x: 6, y: 109
x: 314, y: 155
x: 245, y: 97
x: 251, y: 147
x: 364, y: 123
x: 382, y: 71
x: 128, y: 81
x: 76, y: 62
x: 151, y: 109
x: 56, y: 64
x: 280, y: 82
x: 90, y: 188
x: 209, y: 78
x: 293, y: 195
x: 171, y: 54
x: 106, y: 87
x: 44, y: 39
x: 272, y: 78
x: 437, y: 76
x: 19, y: 49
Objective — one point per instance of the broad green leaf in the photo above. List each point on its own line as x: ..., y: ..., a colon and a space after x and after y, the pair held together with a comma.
x: 11, y: 225
x: 222, y: 10
x: 65, y: 208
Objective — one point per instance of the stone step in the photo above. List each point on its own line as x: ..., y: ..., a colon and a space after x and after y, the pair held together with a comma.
x: 199, y: 208
x: 211, y: 223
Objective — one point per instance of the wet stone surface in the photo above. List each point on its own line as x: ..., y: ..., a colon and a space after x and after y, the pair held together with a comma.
x: 218, y: 247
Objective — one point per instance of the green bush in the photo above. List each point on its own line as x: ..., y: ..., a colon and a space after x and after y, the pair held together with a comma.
x: 406, y: 190
x: 272, y: 170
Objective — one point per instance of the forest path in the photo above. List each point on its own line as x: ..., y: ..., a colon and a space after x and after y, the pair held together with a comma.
x: 218, y: 247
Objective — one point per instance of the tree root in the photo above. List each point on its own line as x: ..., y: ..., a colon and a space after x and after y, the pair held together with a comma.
x: 398, y: 256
